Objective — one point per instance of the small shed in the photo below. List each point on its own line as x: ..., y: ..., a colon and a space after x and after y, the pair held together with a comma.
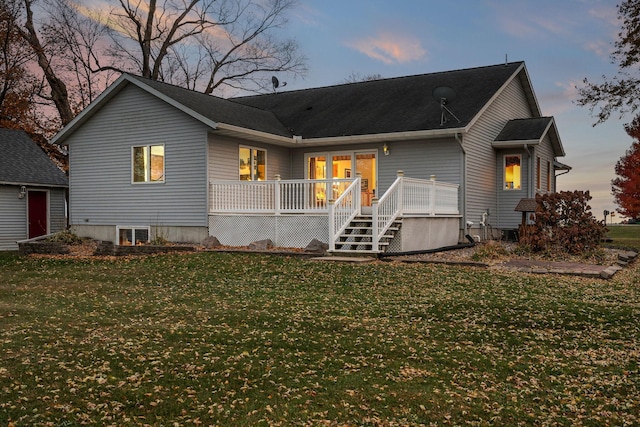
x: 32, y: 190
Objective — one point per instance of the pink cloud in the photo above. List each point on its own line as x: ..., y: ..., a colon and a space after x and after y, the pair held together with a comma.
x: 390, y: 48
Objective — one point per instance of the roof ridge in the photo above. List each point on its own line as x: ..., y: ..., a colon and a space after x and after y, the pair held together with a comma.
x: 384, y: 79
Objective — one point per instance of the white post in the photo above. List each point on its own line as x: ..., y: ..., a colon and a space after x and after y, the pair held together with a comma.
x: 332, y: 223
x: 358, y: 195
x: 400, y: 175
x: 374, y: 225
x: 432, y: 199
x: 276, y: 192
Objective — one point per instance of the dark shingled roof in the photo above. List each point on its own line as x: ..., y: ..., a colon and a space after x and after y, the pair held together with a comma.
x: 400, y: 104
x: 524, y: 129
x: 22, y: 161
x: 219, y: 109
x: 526, y: 205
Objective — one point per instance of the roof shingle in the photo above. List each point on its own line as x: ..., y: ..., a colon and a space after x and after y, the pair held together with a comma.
x: 23, y: 162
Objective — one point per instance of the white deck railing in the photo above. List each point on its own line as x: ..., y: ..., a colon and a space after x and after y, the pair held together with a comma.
x: 340, y: 199
x: 410, y: 196
x: 275, y: 197
x: 342, y: 211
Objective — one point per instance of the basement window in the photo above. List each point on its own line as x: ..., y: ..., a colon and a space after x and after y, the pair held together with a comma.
x: 130, y: 236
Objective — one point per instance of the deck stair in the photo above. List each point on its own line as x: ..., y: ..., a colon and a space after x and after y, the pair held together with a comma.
x: 357, y: 236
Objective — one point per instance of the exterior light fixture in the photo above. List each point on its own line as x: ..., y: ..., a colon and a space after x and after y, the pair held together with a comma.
x: 23, y: 192
x: 385, y: 149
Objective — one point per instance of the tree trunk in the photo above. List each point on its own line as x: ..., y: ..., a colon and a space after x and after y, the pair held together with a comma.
x: 59, y: 94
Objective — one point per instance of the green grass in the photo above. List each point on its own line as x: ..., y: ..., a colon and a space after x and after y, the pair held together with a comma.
x: 246, y: 340
x: 625, y: 236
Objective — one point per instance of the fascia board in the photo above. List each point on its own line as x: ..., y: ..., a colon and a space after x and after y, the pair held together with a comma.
x: 529, y: 89
x: 33, y: 184
x: 383, y: 137
x: 109, y: 93
x: 515, y: 143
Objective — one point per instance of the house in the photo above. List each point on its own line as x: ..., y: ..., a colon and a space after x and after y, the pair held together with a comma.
x: 148, y: 159
x: 32, y: 191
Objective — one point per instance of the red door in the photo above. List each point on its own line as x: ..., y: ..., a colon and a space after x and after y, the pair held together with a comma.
x: 37, y: 201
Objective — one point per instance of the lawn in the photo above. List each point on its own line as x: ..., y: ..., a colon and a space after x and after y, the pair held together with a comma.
x: 248, y: 339
x: 625, y: 236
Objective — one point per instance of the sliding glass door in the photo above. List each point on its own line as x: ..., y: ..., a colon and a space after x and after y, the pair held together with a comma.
x: 344, y: 165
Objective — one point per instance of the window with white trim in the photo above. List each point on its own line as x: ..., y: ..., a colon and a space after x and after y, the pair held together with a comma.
x: 147, y: 163
x: 512, y: 172
x: 131, y: 236
x: 252, y: 164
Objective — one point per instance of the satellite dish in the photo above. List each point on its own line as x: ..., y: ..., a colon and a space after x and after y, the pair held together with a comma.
x: 276, y: 83
x: 445, y: 95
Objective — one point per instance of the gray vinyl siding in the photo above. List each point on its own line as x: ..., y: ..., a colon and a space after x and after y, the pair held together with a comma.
x: 482, y: 185
x: 224, y: 158
x: 421, y: 159
x: 545, y: 152
x: 102, y: 192
x: 13, y: 217
x: 417, y: 159
x: 57, y: 210
x: 508, y: 199
x: 13, y: 214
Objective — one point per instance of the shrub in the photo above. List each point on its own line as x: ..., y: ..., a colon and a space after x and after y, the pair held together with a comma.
x: 563, y: 221
x: 490, y: 251
x: 66, y: 237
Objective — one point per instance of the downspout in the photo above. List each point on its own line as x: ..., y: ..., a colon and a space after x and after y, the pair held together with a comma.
x: 463, y: 180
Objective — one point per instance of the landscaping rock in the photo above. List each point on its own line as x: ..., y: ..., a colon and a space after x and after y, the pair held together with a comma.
x: 211, y: 242
x: 261, y: 245
x: 316, y: 246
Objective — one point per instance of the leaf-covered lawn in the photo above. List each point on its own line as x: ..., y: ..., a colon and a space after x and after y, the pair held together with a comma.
x: 245, y: 340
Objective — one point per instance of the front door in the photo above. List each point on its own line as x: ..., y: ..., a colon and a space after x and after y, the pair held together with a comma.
x: 38, y: 213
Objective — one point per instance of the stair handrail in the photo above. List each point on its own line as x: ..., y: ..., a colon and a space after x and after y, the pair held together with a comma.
x: 386, y: 210
x: 342, y: 211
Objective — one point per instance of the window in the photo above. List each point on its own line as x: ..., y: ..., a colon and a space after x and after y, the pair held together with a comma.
x: 538, y: 173
x: 253, y: 164
x: 548, y: 176
x: 512, y: 166
x: 148, y: 163
x: 131, y: 236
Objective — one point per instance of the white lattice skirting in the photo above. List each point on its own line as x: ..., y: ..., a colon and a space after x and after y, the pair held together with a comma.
x: 287, y: 231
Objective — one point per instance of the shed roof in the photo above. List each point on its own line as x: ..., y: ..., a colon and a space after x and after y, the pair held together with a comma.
x: 526, y: 205
x: 23, y: 162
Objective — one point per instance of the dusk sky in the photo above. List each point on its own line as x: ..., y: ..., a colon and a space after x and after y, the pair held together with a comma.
x: 561, y: 42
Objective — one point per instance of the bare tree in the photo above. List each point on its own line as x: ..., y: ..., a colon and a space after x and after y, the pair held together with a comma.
x: 355, y: 77
x: 58, y: 89
x: 76, y: 41
x: 17, y: 83
x: 204, y: 44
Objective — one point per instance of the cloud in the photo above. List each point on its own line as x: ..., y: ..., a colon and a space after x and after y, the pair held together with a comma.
x: 390, y: 48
